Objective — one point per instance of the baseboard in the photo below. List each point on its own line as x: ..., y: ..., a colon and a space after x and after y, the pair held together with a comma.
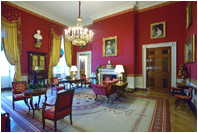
x: 140, y: 89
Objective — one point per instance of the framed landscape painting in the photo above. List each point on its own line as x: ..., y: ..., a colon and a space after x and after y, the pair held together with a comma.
x: 158, y: 30
x: 189, y: 48
x: 110, y: 46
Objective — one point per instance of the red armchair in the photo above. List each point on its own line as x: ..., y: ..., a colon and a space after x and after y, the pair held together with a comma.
x: 62, y: 108
x: 55, y: 85
x: 86, y: 80
x: 5, y: 122
x: 105, y: 89
x: 17, y: 89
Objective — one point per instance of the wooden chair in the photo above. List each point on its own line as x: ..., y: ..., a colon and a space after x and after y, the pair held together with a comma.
x: 55, y: 85
x: 86, y: 80
x: 17, y: 89
x: 5, y: 122
x: 187, y: 99
x: 62, y: 108
x: 176, y: 90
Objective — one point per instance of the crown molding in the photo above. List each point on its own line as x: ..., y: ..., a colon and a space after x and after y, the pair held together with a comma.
x: 137, y: 5
x: 147, y: 4
x: 114, y: 10
x: 40, y: 12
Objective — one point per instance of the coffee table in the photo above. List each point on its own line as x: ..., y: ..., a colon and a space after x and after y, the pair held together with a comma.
x: 29, y: 94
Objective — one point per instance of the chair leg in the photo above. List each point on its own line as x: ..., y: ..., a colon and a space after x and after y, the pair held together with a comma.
x: 71, y: 119
x: 96, y: 97
x: 13, y: 105
x: 190, y: 105
x: 177, y: 102
x: 43, y: 123
x: 107, y: 99
x: 55, y: 126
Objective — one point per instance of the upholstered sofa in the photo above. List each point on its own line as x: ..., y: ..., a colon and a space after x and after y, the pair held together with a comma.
x: 106, y: 89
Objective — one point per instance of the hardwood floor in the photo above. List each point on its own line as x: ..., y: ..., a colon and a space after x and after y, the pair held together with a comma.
x: 182, y: 118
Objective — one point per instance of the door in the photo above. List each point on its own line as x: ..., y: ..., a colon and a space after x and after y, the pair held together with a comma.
x: 159, y: 69
x: 82, y: 65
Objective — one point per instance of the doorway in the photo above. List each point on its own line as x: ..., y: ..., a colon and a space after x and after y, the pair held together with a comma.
x: 84, y: 61
x: 173, y: 61
x: 159, y: 69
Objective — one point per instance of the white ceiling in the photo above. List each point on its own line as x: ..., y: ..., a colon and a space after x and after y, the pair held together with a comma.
x: 66, y: 12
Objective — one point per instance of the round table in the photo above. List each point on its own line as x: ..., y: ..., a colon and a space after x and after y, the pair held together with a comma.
x: 30, y: 93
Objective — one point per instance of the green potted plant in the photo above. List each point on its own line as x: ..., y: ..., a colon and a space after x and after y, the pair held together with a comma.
x: 35, y: 86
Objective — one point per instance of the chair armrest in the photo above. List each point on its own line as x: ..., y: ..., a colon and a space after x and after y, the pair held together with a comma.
x: 44, y: 106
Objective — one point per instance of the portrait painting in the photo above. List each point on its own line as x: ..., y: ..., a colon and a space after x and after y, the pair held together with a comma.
x: 110, y: 46
x: 189, y: 56
x: 189, y: 14
x: 157, y: 30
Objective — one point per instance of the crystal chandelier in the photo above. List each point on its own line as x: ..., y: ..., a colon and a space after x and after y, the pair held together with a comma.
x: 78, y: 35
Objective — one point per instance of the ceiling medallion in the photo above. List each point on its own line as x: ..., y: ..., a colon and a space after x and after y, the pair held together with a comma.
x: 78, y: 35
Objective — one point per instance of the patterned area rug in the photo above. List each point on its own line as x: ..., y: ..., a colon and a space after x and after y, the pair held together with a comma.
x: 136, y: 113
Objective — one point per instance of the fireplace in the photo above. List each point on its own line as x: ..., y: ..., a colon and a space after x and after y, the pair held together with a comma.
x: 104, y: 72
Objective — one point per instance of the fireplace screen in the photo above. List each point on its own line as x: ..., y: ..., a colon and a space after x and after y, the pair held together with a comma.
x: 108, y: 77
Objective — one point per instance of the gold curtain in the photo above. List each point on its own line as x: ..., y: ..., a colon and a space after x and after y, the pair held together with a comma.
x: 68, y: 54
x: 11, y: 48
x: 55, y: 54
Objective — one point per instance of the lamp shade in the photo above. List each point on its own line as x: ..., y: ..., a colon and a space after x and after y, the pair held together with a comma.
x: 119, y: 68
x: 73, y: 68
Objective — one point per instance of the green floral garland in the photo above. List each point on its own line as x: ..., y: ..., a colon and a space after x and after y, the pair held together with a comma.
x: 124, y: 75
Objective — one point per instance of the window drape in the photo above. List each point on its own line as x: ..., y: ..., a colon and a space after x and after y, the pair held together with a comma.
x: 68, y: 53
x: 12, y: 44
x: 55, y: 54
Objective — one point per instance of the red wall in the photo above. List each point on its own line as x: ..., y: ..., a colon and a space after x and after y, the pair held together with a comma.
x: 30, y: 24
x: 121, y: 26
x: 132, y: 29
x: 174, y: 16
x: 192, y: 67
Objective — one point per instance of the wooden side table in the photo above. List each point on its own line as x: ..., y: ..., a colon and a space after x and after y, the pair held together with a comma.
x: 30, y: 94
x: 120, y: 89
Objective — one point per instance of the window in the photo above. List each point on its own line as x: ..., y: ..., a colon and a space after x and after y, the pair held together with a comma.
x: 6, y: 70
x: 62, y: 67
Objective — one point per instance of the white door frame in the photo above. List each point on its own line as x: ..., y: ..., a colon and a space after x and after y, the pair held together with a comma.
x: 173, y: 60
x: 78, y: 61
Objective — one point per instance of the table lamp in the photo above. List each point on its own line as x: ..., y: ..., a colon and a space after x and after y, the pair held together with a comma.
x: 74, y: 70
x: 119, y: 69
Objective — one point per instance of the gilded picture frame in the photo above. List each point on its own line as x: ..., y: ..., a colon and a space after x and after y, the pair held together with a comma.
x: 158, y: 30
x: 110, y: 46
x: 189, y: 50
x: 189, y: 14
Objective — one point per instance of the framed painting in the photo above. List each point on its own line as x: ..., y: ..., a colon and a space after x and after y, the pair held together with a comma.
x: 110, y: 46
x: 189, y: 48
x: 158, y: 30
x: 189, y: 14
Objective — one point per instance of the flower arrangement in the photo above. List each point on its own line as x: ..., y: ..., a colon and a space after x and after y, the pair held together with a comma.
x: 35, y: 86
x: 183, y: 72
